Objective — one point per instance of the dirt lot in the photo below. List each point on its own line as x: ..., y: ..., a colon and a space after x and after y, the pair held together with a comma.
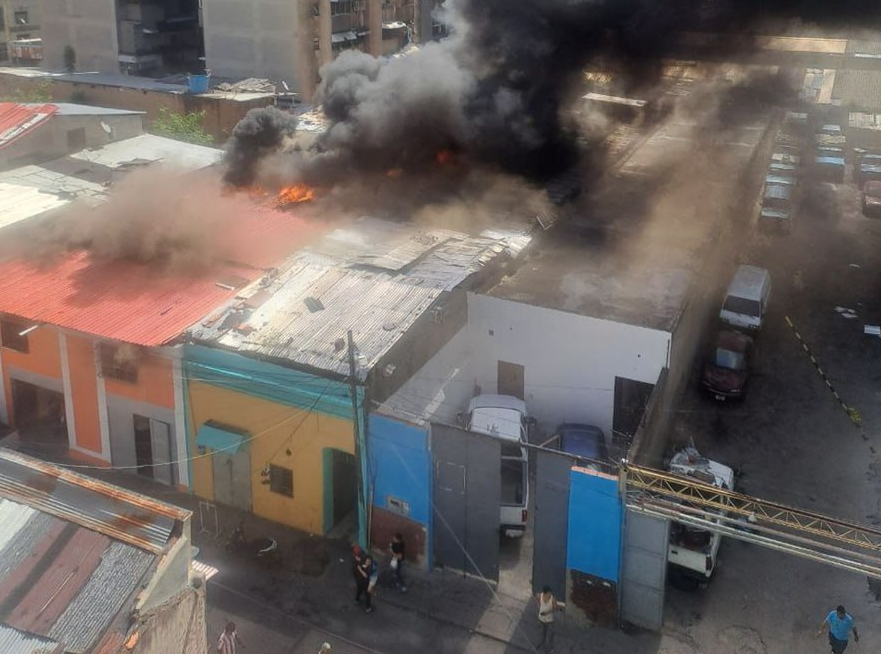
x: 792, y: 440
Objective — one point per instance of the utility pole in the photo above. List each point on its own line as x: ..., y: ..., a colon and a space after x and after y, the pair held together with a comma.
x: 360, y: 451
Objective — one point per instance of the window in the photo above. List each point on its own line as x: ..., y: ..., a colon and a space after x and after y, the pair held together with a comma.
x: 120, y: 362
x: 2, y: 19
x: 342, y: 7
x: 281, y: 480
x: 12, y: 335
x: 21, y: 17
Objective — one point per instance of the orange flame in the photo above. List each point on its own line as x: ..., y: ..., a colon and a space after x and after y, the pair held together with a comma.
x: 295, y: 193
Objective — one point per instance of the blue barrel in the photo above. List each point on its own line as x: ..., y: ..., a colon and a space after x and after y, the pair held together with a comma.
x: 198, y: 83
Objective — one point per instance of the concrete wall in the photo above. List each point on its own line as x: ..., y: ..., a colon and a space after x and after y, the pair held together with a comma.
x: 176, y: 626
x: 254, y: 38
x: 89, y: 26
x: 596, y: 516
x: 570, y: 361
x: 399, y: 469
x: 50, y: 140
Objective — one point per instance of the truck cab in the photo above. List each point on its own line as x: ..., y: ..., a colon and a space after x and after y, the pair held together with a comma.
x: 506, y: 418
x: 692, y: 551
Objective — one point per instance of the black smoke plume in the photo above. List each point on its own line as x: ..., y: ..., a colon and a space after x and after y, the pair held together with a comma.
x: 493, y: 89
x: 259, y: 133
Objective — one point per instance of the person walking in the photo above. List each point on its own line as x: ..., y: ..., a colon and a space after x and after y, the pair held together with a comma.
x: 547, y: 605
x: 229, y: 640
x: 399, y: 551
x: 839, y: 624
x: 371, y: 576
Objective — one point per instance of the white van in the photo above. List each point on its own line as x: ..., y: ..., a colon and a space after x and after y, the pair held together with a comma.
x: 505, y: 417
x: 747, y: 298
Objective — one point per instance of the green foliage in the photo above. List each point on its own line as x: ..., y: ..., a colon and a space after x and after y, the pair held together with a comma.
x: 188, y: 127
x: 78, y: 96
x: 69, y: 58
x: 40, y: 92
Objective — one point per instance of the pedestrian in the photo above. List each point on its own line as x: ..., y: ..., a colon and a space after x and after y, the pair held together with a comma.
x: 324, y: 649
x: 370, y: 574
x: 547, y: 604
x: 839, y: 623
x: 229, y: 640
x: 399, y: 550
x: 357, y: 560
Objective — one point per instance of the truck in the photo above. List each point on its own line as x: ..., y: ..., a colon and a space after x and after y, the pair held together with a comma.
x: 506, y: 418
x: 692, y: 551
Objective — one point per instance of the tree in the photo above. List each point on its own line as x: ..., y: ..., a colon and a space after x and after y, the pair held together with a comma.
x: 69, y: 58
x: 38, y: 92
x: 189, y: 127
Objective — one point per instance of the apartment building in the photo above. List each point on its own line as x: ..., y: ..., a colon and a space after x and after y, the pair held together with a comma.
x: 137, y: 37
x: 19, y: 24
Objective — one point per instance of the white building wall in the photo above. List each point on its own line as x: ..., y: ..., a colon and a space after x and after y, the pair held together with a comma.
x: 570, y: 360
x: 570, y: 363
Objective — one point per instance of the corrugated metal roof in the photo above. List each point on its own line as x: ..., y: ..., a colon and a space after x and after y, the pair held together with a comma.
x: 22, y: 202
x: 15, y: 641
x: 135, y: 302
x: 73, y: 552
x: 124, y: 81
x: 375, y: 278
x: 72, y: 109
x: 112, y: 511
x: 18, y: 119
x: 151, y: 148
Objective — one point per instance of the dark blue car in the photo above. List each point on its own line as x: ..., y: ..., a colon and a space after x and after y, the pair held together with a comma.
x: 586, y: 441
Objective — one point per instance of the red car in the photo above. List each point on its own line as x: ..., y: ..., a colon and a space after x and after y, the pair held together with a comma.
x: 727, y: 370
x: 872, y: 199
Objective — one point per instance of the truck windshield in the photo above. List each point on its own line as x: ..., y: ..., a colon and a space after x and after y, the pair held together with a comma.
x: 512, y: 481
x: 742, y: 306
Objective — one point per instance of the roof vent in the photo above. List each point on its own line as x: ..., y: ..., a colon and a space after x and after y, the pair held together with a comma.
x: 313, y: 304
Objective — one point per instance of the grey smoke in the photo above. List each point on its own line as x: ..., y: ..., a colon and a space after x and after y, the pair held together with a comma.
x: 259, y: 133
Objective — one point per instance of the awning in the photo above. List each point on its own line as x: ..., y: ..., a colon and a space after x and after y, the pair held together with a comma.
x: 219, y: 439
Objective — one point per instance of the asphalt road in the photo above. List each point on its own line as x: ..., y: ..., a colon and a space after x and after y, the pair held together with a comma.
x: 792, y: 440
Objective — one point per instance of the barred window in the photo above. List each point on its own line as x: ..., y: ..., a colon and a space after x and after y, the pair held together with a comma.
x: 281, y: 480
x: 120, y: 362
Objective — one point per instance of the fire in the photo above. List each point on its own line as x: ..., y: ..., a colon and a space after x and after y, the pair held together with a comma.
x: 295, y: 193
x: 443, y: 156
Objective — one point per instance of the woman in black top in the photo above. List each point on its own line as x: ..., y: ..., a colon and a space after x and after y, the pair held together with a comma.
x: 398, y: 552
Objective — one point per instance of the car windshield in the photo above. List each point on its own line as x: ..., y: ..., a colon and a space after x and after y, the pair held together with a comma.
x: 729, y: 359
x: 742, y: 306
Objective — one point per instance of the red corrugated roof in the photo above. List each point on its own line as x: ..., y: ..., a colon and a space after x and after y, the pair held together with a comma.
x: 18, y: 119
x: 138, y: 302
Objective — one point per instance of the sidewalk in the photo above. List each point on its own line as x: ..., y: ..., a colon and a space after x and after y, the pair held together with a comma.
x: 311, y: 600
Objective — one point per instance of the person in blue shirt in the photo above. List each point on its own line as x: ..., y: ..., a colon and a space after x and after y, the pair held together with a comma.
x: 840, y: 624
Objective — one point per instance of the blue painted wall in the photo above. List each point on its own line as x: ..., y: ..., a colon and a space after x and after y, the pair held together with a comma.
x: 400, y: 465
x: 595, y: 519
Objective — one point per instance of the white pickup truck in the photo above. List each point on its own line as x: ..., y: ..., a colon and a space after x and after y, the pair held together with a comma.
x: 692, y: 550
x: 505, y: 417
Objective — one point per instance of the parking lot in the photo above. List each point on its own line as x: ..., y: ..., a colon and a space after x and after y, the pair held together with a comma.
x: 791, y: 440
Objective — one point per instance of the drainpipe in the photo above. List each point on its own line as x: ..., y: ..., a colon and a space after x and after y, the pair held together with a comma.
x: 360, y: 448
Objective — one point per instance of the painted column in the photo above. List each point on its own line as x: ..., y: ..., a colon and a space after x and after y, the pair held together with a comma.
x: 180, y: 426
x: 4, y: 411
x: 68, y: 393
x: 374, y: 24
x: 103, y: 422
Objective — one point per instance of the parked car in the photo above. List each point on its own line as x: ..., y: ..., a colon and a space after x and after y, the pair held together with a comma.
x: 726, y: 372
x: 582, y: 440
x: 829, y: 169
x: 872, y: 199
x: 786, y: 156
x: 867, y: 169
x: 746, y: 300
x: 782, y: 168
x: 776, y: 212
x: 506, y: 418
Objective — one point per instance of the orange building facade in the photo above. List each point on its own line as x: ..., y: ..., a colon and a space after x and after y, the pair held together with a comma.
x: 103, y: 401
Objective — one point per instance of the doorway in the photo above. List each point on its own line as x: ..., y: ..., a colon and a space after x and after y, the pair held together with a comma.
x: 340, y: 487
x: 39, y: 414
x: 511, y: 379
x: 631, y: 399
x: 153, y: 448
